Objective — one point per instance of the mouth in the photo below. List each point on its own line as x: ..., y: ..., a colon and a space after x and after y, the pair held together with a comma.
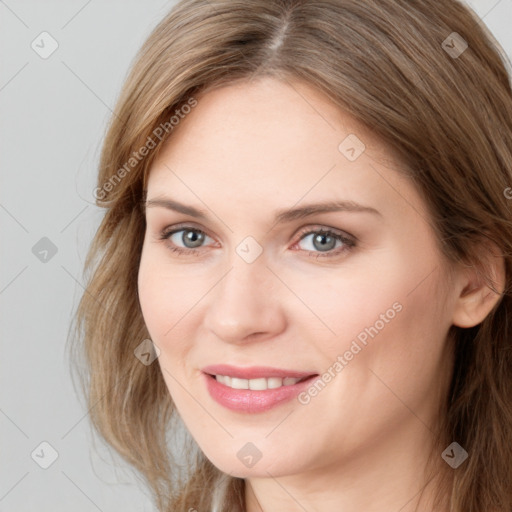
x: 241, y: 378
x: 254, y: 389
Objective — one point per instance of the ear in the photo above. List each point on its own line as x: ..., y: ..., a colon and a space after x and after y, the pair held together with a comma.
x: 480, y: 287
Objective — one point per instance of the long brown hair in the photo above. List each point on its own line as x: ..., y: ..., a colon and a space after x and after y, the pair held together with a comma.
x: 396, y: 66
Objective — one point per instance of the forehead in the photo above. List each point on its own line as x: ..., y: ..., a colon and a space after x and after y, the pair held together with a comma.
x: 270, y: 142
x: 269, y: 114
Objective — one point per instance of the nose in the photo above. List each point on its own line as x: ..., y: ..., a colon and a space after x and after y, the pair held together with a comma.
x: 245, y: 305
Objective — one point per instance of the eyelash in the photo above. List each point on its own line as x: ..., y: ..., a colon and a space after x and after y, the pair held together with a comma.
x: 349, y: 242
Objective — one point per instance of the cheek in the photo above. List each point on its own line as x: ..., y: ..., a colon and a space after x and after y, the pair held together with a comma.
x: 165, y: 297
x: 165, y: 290
x: 345, y: 301
x: 386, y: 309
x: 164, y: 301
x: 392, y: 337
x: 152, y: 300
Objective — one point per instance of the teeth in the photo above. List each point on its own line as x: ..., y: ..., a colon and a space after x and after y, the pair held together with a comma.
x: 274, y: 382
x: 239, y: 383
x: 256, y: 384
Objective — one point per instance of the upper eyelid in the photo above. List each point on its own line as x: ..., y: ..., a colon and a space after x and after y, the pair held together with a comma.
x: 176, y: 228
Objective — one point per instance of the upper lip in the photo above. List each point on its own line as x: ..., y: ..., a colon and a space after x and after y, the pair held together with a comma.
x: 254, y: 372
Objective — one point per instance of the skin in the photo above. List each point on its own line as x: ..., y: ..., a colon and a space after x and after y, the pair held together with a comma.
x: 361, y: 443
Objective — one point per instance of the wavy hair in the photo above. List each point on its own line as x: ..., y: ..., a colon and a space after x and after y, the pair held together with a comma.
x: 386, y: 63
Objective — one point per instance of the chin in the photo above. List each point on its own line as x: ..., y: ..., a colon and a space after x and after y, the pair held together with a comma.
x: 250, y: 469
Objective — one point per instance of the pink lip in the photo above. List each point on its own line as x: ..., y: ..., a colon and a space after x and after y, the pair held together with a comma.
x: 254, y: 372
x: 247, y: 400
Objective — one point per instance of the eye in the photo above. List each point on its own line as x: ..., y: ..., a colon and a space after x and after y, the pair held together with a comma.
x: 185, y: 239
x: 325, y: 242
x: 316, y: 242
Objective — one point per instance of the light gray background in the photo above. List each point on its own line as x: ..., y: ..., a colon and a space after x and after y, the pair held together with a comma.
x: 53, y: 117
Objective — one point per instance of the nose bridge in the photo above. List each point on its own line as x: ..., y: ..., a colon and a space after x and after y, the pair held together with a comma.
x: 240, y: 305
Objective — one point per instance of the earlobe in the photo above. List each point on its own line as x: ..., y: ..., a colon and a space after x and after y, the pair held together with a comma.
x: 479, y: 294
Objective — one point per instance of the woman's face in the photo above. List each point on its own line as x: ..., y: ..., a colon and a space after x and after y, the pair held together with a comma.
x: 253, y: 283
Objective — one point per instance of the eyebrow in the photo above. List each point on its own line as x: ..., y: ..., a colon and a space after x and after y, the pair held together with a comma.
x: 285, y: 215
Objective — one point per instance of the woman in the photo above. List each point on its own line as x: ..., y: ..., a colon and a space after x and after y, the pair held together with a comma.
x: 306, y: 260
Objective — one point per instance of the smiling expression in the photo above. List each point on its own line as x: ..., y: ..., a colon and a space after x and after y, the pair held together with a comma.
x: 239, y: 267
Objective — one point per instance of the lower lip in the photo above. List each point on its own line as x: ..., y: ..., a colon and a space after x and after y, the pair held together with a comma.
x: 247, y: 400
